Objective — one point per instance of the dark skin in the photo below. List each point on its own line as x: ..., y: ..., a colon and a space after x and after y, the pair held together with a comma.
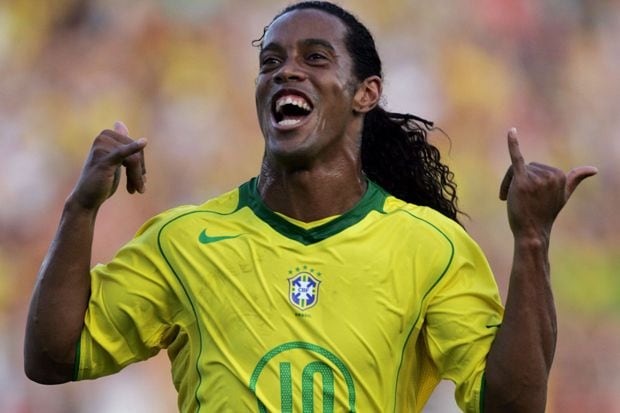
x: 519, y: 361
x: 61, y: 293
x: 312, y: 170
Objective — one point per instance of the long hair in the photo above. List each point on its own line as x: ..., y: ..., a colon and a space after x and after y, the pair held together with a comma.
x: 395, y: 150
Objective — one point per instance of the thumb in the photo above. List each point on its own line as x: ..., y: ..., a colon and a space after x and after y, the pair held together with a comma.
x: 121, y: 128
x: 576, y: 175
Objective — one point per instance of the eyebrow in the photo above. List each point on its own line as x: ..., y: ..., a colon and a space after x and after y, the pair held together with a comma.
x: 306, y: 42
x: 319, y: 42
x: 271, y: 46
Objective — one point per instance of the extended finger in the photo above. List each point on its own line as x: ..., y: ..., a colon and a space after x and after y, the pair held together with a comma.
x: 120, y: 134
x: 121, y: 128
x: 133, y: 170
x: 133, y: 164
x: 124, y: 151
x: 515, y: 153
x: 143, y: 163
x: 576, y: 175
x: 505, y: 185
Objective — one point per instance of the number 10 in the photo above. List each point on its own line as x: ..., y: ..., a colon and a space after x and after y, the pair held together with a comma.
x: 307, y: 387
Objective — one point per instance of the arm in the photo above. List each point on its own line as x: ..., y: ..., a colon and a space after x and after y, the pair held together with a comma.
x: 62, y: 290
x: 520, y: 358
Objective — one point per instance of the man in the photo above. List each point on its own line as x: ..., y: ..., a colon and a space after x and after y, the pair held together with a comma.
x: 309, y: 284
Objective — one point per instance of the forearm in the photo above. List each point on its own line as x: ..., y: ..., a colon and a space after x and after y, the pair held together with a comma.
x: 60, y: 298
x: 62, y: 290
x: 520, y: 359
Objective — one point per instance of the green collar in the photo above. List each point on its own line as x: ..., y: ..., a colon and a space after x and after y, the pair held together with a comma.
x: 373, y: 200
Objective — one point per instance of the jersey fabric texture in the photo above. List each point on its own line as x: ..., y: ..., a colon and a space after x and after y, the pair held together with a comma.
x: 364, y: 313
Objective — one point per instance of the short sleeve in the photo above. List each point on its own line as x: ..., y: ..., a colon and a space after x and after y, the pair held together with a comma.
x: 129, y: 315
x: 462, y: 319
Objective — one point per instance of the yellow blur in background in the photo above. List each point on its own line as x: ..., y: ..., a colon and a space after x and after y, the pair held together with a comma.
x: 182, y: 75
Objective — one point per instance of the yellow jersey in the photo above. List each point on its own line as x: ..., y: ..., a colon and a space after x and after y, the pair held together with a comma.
x: 366, y: 312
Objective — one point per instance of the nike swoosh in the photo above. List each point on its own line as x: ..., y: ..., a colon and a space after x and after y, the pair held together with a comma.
x: 205, y: 239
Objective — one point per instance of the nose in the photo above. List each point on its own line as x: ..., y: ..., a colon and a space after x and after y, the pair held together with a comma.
x: 289, y: 71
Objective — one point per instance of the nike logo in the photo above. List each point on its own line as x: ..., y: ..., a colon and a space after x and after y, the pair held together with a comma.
x: 206, y: 239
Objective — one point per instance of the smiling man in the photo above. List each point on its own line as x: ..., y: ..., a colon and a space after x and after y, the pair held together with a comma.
x: 337, y: 280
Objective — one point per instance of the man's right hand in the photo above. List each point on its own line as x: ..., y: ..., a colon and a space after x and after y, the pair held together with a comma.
x: 101, y: 172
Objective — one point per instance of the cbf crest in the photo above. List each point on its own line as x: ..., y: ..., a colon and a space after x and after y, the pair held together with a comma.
x: 303, y: 290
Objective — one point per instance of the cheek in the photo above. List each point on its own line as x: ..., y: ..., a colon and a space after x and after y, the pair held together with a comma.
x: 257, y: 97
x: 345, y: 85
x: 263, y: 111
x: 260, y: 91
x: 342, y: 99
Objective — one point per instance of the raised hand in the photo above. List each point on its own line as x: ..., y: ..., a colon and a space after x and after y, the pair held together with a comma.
x: 535, y: 193
x: 101, y: 172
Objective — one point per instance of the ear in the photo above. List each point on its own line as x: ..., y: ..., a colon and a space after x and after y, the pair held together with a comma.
x: 367, y: 94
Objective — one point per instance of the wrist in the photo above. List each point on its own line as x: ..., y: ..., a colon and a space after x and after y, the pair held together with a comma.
x: 74, y: 206
x: 532, y: 240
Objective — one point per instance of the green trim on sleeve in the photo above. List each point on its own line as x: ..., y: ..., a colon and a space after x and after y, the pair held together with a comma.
x: 483, y: 386
x: 76, y: 360
x: 373, y: 200
x: 437, y: 280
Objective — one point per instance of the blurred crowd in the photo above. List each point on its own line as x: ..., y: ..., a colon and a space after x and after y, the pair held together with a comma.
x: 182, y: 75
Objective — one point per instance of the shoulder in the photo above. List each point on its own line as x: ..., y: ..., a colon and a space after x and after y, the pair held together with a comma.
x: 423, y: 218
x: 223, y: 204
x: 432, y: 230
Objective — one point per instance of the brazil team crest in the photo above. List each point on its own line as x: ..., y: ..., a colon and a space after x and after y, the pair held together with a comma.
x: 303, y: 290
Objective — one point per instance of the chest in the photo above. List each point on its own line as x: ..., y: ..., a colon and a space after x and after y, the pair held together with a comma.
x: 264, y: 289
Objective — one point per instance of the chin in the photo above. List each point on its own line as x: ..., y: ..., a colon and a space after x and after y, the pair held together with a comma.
x: 297, y: 151
x: 290, y: 153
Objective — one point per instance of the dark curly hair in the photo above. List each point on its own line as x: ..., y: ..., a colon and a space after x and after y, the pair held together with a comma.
x: 396, y: 153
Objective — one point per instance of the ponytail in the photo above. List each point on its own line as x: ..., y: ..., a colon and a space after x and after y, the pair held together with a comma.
x: 397, y: 155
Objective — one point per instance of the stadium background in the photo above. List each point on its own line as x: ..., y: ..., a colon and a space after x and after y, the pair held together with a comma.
x: 182, y: 74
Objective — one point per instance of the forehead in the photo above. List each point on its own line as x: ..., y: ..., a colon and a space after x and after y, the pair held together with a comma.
x: 306, y: 24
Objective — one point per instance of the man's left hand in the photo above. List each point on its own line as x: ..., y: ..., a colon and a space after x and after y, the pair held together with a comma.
x: 536, y: 193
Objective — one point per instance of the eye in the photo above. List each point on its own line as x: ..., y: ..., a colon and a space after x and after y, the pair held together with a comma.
x: 269, y: 61
x: 316, y: 57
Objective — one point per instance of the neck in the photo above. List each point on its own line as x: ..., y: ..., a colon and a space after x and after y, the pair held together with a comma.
x: 310, y: 194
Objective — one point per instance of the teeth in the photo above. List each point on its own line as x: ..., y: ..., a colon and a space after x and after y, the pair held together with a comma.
x: 292, y: 100
x: 289, y: 122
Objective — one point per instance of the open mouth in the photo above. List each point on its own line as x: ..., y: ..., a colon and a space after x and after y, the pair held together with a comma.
x: 291, y: 109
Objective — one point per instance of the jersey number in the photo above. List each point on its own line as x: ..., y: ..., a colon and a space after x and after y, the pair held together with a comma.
x: 308, y: 375
x: 307, y: 387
